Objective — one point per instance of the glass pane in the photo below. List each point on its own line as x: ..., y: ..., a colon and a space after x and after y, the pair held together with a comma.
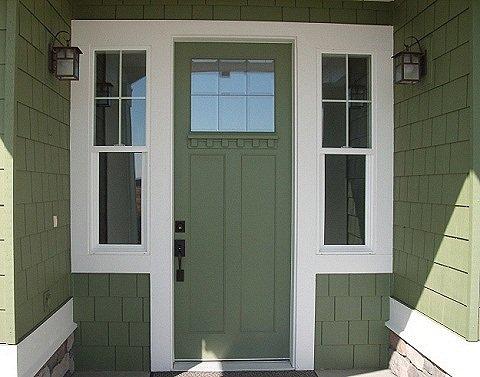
x: 133, y: 122
x: 334, y: 71
x: 134, y: 73
x: 204, y: 113
x: 65, y: 67
x: 107, y: 75
x: 412, y: 71
x: 334, y: 124
x: 120, y: 198
x: 359, y: 77
x: 106, y: 122
x: 261, y: 110
x: 233, y: 113
x: 344, y: 200
x: 232, y: 76
x: 204, y: 78
x: 261, y: 78
x: 359, y: 125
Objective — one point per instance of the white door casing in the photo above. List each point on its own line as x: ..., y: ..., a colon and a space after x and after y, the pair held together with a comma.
x: 309, y: 41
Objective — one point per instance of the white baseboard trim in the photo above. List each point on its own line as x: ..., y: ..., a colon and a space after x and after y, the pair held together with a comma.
x: 447, y: 349
x: 27, y: 357
x: 230, y: 366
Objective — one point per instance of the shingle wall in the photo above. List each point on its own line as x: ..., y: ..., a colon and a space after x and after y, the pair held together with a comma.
x: 7, y: 29
x: 350, y: 316
x: 34, y: 167
x: 361, y: 12
x: 433, y: 158
x: 113, y: 316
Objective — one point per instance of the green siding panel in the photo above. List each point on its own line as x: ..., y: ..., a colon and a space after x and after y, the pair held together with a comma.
x: 433, y: 162
x: 351, y: 311
x: 361, y: 12
x: 113, y: 316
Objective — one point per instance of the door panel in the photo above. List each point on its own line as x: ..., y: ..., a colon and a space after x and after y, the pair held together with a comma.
x: 233, y: 189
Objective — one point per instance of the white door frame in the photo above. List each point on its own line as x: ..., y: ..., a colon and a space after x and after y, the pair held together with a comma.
x: 308, y: 40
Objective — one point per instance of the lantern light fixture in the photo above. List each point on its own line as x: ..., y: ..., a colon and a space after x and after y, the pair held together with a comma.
x: 409, y: 66
x: 64, y: 60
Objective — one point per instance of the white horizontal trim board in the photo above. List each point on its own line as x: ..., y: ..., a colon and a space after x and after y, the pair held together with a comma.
x: 27, y: 357
x: 308, y: 41
x: 447, y: 349
x: 233, y: 365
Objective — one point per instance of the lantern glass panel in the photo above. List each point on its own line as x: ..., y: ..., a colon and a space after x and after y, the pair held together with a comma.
x: 407, y: 58
x: 399, y: 73
x: 65, y: 67
x: 412, y: 72
x: 415, y: 58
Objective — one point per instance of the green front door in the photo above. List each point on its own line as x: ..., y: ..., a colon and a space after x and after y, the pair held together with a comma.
x: 233, y: 189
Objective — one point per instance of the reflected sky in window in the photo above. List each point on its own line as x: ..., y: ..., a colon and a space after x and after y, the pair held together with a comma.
x: 232, y: 95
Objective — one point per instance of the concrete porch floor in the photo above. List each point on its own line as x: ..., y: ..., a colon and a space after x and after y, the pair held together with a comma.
x: 322, y: 373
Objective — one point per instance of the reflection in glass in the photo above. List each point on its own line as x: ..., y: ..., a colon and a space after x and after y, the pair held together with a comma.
x: 334, y: 124
x: 359, y: 125
x: 344, y: 200
x: 133, y: 122
x: 232, y: 95
x: 232, y: 77
x: 359, y: 77
x: 107, y: 73
x: 204, y: 113
x: 232, y: 113
x: 106, y: 122
x: 261, y: 78
x: 261, y: 113
x: 204, y: 76
x: 334, y: 71
x: 134, y: 74
x: 120, y: 198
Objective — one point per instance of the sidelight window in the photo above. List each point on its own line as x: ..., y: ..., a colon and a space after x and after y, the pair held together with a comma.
x: 119, y: 150
x: 347, y: 152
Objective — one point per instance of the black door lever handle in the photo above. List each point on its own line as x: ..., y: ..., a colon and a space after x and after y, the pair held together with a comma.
x: 179, y: 252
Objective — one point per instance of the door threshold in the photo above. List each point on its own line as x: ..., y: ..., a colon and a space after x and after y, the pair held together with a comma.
x: 232, y: 365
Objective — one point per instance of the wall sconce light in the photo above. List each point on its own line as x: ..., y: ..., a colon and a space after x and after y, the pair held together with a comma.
x: 409, y: 66
x: 64, y: 60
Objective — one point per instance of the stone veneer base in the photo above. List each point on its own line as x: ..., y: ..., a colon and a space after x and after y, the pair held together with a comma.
x: 406, y: 361
x: 61, y: 363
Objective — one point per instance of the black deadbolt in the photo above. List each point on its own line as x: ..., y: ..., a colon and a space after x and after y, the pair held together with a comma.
x: 180, y: 226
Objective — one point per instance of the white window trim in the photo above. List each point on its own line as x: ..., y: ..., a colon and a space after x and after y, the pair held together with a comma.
x: 307, y: 39
x: 371, y: 169
x: 94, y: 245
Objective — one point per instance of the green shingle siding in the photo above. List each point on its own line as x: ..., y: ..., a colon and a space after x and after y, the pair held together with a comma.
x: 113, y: 316
x: 350, y: 315
x: 35, y: 168
x: 433, y: 158
x: 356, y: 12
